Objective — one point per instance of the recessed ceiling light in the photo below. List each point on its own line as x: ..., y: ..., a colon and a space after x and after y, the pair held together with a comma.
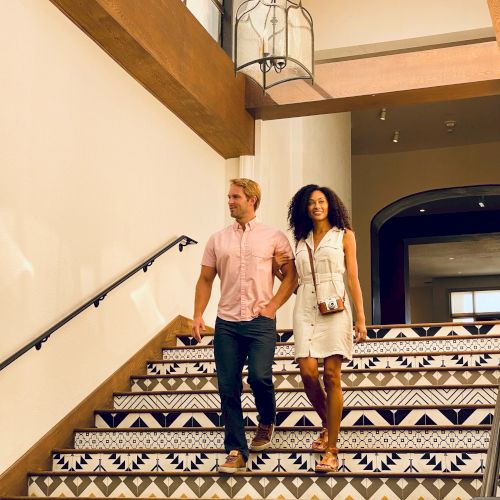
x: 422, y: 210
x: 395, y: 137
x: 382, y: 115
x: 451, y: 258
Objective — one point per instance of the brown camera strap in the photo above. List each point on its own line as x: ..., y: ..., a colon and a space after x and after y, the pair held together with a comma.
x: 313, y: 272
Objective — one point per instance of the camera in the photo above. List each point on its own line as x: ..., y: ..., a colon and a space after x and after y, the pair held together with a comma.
x: 331, y: 304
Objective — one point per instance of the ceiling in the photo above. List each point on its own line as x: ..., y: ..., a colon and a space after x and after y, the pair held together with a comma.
x: 477, y: 256
x: 422, y: 126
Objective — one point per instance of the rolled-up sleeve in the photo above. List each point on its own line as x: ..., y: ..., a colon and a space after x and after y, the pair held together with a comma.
x: 209, y: 258
x: 283, y: 245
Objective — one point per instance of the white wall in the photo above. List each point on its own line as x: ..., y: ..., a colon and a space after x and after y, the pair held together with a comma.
x: 290, y: 153
x: 95, y: 176
x: 338, y: 23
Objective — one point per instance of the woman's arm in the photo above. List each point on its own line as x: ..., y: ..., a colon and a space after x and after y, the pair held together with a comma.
x: 351, y: 264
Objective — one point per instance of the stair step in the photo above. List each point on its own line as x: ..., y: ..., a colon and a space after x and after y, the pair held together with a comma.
x: 450, y: 360
x: 362, y: 396
x: 290, y: 417
x: 355, y: 437
x: 257, y: 485
x: 452, y: 330
x: 350, y: 378
x: 392, y: 347
x: 270, y: 461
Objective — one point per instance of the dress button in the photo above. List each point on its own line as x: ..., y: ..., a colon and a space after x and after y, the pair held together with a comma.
x: 312, y: 324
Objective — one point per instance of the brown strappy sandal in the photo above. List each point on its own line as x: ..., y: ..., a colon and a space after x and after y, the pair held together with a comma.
x: 321, y: 442
x: 329, y: 462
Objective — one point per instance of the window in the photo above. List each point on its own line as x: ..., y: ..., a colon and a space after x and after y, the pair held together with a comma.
x: 209, y: 14
x: 475, y: 305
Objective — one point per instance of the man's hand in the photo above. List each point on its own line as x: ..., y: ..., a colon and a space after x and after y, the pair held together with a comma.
x: 198, y: 327
x: 269, y: 311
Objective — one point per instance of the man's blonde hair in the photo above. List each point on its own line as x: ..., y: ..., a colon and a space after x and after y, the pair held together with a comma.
x: 250, y: 188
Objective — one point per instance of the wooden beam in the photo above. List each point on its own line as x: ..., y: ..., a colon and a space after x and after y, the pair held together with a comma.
x: 494, y: 6
x: 162, y: 45
x: 442, y: 74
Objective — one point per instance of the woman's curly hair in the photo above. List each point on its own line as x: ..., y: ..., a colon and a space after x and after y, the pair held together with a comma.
x: 299, y: 221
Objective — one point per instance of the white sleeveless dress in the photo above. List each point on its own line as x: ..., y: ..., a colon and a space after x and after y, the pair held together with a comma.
x: 317, y: 335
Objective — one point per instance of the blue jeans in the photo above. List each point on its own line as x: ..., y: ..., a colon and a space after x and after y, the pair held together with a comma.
x: 236, y: 342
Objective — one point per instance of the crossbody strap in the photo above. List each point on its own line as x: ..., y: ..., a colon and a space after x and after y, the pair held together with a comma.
x: 311, y: 261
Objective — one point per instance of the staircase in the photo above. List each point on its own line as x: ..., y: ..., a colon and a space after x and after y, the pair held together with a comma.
x: 418, y: 401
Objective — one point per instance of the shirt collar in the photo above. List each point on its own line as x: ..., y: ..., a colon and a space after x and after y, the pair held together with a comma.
x: 249, y: 225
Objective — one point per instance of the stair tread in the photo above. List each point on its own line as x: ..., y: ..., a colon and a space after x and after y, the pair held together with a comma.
x: 284, y: 429
x: 261, y: 474
x: 297, y: 408
x: 299, y: 389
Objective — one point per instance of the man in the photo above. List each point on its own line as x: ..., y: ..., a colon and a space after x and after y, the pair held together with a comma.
x: 245, y: 329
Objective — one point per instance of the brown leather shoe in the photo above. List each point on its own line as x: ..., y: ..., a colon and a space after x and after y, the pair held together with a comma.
x: 234, y: 463
x: 262, y: 438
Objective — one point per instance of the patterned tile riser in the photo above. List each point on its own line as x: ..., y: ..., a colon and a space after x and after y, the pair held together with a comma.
x: 381, y: 417
x: 405, y: 347
x: 475, y: 439
x: 407, y: 361
x: 270, y: 462
x: 364, y: 379
x: 269, y: 488
x: 297, y: 399
x: 382, y: 333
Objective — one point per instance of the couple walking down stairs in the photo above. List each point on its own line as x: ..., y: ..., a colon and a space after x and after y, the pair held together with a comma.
x: 419, y: 403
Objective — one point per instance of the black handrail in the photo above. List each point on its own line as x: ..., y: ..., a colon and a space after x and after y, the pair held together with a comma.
x: 182, y: 241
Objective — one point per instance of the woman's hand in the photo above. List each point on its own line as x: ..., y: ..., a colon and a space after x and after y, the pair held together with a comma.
x: 360, y: 332
x: 279, y: 259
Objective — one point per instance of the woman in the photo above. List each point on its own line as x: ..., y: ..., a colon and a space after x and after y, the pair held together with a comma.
x: 319, y: 220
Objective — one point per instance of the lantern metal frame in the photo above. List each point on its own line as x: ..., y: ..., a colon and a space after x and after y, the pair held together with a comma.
x: 277, y: 62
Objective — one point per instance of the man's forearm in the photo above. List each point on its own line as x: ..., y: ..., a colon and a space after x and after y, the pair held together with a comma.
x: 201, y: 297
x: 285, y: 290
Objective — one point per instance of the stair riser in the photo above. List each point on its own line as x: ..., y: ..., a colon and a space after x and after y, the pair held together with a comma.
x: 425, y: 416
x: 298, y: 399
x: 382, y: 333
x: 270, y: 462
x: 475, y: 439
x: 269, y: 488
x: 408, y: 361
x: 377, y: 349
x: 364, y: 379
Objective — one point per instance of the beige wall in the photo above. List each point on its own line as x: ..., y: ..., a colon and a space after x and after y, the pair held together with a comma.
x: 338, y: 23
x: 421, y: 304
x: 378, y: 180
x: 96, y: 175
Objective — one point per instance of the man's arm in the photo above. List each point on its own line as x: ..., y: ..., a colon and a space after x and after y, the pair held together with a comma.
x: 288, y: 285
x: 201, y: 298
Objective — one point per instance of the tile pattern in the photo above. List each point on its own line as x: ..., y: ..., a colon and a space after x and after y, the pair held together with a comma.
x: 303, y: 417
x: 404, y: 347
x: 469, y: 462
x: 366, y: 438
x: 349, y: 379
x: 451, y: 360
x: 296, y: 398
x: 256, y: 487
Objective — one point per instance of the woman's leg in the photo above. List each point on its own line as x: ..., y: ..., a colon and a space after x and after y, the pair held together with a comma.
x: 310, y: 378
x: 334, y: 397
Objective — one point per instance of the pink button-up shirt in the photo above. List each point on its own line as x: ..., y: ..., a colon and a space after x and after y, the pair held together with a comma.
x: 243, y: 260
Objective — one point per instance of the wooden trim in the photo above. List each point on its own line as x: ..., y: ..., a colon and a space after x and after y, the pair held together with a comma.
x: 38, y: 457
x: 164, y: 47
x: 494, y: 6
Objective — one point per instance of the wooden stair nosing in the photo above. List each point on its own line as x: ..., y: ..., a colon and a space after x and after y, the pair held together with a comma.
x: 369, y: 341
x: 268, y: 451
x: 299, y: 389
x: 449, y: 475
x: 347, y: 370
x: 300, y: 409
x: 287, y: 429
x: 358, y: 355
